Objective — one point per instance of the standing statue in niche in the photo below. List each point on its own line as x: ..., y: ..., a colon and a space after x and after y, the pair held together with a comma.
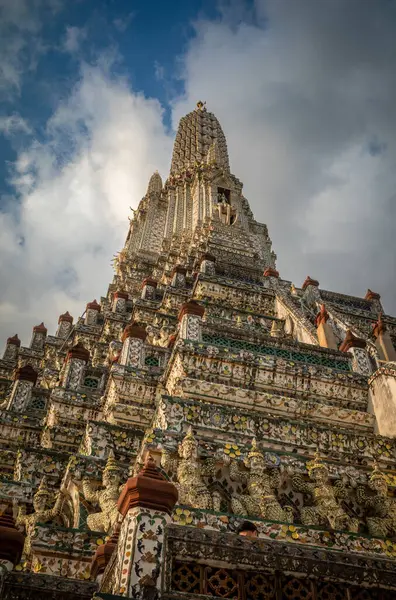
x: 325, y: 497
x: 106, y: 498
x: 261, y: 481
x: 382, y: 509
x: 41, y: 514
x: 190, y: 471
x: 227, y: 213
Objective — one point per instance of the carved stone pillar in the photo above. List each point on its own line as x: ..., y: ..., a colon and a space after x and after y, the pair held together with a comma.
x: 65, y: 324
x: 145, y: 504
x: 326, y: 335
x: 12, y: 348
x: 149, y: 286
x: 357, y: 347
x: 38, y: 337
x: 91, y: 313
x: 132, y: 353
x: 383, y: 341
x: 179, y: 277
x: 190, y: 319
x: 119, y: 302
x: 208, y: 264
x: 25, y: 380
x: 76, y: 361
x: 382, y: 386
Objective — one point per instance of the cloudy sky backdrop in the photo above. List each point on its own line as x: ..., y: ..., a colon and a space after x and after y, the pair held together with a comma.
x: 91, y: 93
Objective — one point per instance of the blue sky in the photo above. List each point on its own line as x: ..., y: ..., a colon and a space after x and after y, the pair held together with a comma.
x: 146, y: 37
x: 91, y: 93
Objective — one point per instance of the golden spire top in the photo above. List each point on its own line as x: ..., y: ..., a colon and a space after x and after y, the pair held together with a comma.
x: 196, y: 133
x: 155, y: 183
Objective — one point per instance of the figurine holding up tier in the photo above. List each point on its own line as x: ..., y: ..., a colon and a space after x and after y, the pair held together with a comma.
x: 261, y: 481
x: 106, y: 498
x: 382, y: 509
x: 325, y: 497
x: 41, y: 514
x: 190, y: 471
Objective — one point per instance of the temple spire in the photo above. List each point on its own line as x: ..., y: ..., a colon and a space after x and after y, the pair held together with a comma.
x: 198, y: 131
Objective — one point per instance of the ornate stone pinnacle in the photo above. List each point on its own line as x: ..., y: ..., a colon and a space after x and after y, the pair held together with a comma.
x: 148, y: 489
x: 155, y: 184
x: 93, y: 305
x: 65, y: 317
x: 14, y: 340
x: 191, y: 308
x: 196, y: 133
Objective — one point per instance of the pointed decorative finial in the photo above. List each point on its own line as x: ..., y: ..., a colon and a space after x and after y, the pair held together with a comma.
x: 201, y: 105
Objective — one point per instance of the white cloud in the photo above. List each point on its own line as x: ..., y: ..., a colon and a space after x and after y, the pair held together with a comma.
x: 306, y: 96
x: 20, y: 43
x: 74, y: 193
x: 14, y: 124
x: 123, y: 23
x: 74, y: 37
x: 306, y: 100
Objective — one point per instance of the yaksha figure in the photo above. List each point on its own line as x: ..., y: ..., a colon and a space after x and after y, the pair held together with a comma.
x: 261, y: 480
x: 106, y: 498
x: 325, y: 496
x: 382, y: 509
x: 190, y: 471
x: 42, y: 514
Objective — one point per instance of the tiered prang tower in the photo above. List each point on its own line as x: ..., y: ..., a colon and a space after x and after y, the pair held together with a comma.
x: 207, y: 429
